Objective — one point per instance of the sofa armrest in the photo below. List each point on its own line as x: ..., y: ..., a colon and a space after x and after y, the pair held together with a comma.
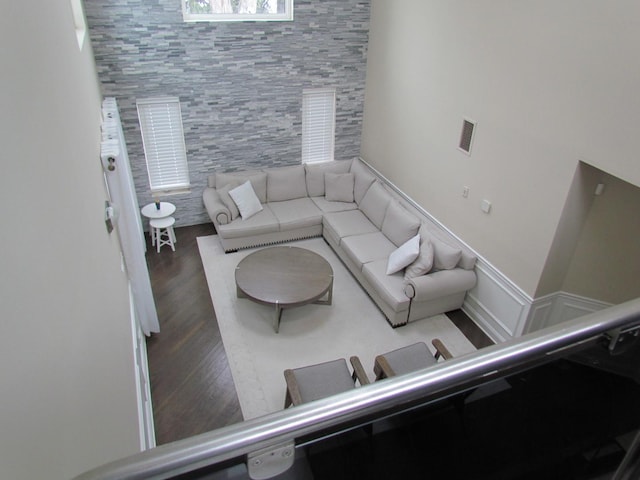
x: 218, y: 213
x: 439, y: 284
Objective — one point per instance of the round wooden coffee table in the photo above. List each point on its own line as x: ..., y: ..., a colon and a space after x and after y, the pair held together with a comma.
x: 284, y: 277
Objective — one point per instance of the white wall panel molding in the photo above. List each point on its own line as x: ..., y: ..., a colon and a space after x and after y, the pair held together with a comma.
x: 496, y: 304
x: 559, y: 307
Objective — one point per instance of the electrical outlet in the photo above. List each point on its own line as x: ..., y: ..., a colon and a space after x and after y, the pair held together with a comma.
x: 465, y: 192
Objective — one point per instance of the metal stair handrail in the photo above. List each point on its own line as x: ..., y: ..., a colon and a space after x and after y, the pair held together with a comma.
x: 361, y: 404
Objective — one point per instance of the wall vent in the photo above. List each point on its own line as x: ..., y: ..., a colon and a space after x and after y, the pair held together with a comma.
x: 466, y: 137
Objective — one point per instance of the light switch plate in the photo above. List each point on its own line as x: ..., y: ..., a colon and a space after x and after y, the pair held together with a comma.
x: 485, y: 206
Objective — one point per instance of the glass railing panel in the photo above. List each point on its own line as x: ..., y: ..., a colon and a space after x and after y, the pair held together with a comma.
x: 497, y: 409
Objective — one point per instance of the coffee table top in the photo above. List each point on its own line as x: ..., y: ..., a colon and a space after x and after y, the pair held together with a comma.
x: 284, y: 276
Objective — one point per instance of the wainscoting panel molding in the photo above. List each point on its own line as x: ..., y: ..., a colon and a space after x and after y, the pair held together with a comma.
x: 496, y: 304
x: 559, y: 307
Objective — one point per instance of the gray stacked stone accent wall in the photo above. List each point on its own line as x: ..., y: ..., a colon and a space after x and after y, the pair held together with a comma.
x: 240, y: 84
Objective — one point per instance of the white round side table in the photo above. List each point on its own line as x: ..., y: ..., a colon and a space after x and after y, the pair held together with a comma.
x: 151, y: 211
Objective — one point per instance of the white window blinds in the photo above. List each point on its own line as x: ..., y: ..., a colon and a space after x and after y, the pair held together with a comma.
x: 163, y: 141
x: 318, y: 125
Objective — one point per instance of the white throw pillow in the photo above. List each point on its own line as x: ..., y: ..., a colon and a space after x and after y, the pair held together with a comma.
x: 246, y: 200
x: 404, y: 255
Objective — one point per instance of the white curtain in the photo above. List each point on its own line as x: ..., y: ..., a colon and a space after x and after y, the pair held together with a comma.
x: 128, y: 223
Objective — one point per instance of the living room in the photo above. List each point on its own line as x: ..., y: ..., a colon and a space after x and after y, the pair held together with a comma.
x: 549, y: 86
x: 381, y: 63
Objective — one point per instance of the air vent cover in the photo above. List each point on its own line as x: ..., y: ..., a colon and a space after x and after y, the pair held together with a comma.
x: 466, y: 137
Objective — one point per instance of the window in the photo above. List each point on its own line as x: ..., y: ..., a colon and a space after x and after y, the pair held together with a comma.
x: 318, y: 124
x: 79, y: 22
x: 163, y: 141
x: 236, y: 10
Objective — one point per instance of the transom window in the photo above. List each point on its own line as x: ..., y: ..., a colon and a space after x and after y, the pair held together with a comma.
x: 237, y: 10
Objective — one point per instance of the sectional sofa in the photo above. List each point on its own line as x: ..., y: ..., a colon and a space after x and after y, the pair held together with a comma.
x: 408, y: 264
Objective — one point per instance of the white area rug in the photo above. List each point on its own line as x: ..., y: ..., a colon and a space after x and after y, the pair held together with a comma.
x: 352, y: 325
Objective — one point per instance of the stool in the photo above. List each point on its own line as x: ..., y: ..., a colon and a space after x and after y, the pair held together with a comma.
x: 162, y: 227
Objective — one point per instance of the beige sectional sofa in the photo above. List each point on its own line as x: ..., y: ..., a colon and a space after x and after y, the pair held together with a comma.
x: 362, y: 219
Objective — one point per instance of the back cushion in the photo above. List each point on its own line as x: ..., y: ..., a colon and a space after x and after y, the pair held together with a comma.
x: 399, y: 224
x: 315, y: 174
x: 374, y: 204
x: 285, y: 183
x: 362, y: 181
x: 258, y: 181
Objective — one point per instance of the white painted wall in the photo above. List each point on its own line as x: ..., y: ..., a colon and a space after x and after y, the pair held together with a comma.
x: 549, y: 82
x: 66, y: 361
x: 606, y: 262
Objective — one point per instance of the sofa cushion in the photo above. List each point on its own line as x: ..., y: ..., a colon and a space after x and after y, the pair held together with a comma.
x: 363, y: 179
x: 297, y: 213
x: 399, y: 225
x: 285, y: 183
x: 258, y: 181
x: 338, y: 187
x: 262, y: 222
x: 344, y: 224
x: 374, y: 204
x: 403, y: 255
x: 328, y: 207
x: 367, y: 247
x: 246, y: 200
x: 315, y: 174
x: 228, y: 202
x: 423, y: 264
x: 445, y: 257
x: 389, y: 287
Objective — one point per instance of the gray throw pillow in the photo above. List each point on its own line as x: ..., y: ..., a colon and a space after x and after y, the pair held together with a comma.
x: 399, y: 224
x: 338, y: 187
x: 423, y: 264
x: 445, y: 257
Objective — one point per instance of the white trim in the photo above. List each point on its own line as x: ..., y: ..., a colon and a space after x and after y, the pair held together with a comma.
x: 560, y: 307
x: 143, y: 390
x: 497, y: 305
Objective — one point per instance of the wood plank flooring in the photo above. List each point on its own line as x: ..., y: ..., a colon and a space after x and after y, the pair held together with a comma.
x: 191, y: 385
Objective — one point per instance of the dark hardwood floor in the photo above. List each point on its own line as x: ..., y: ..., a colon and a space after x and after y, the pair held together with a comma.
x: 192, y: 389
